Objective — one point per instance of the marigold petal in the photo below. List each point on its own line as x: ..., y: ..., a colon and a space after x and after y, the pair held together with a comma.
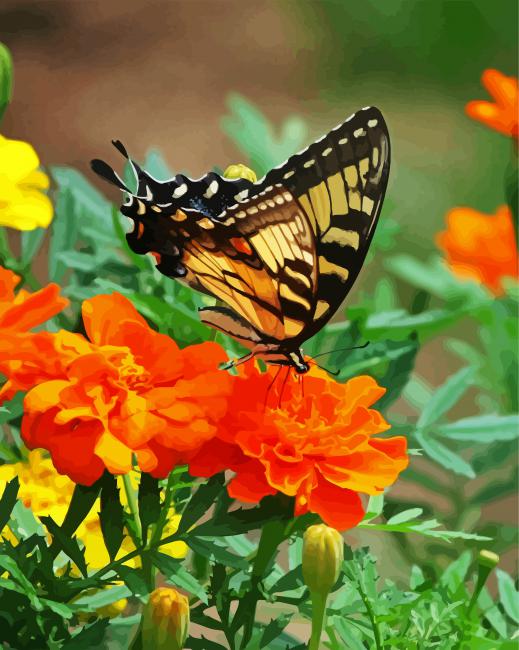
x: 370, y: 469
x: 30, y: 209
x: 250, y: 485
x: 8, y: 282
x: 214, y: 457
x: 338, y: 507
x: 286, y: 477
x: 116, y: 456
x: 362, y: 391
x: 45, y: 396
x: 34, y: 310
x: 103, y: 315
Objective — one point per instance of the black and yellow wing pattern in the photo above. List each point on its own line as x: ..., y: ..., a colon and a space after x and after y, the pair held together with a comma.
x: 281, y: 253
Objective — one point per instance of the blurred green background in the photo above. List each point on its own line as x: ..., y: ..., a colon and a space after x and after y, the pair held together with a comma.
x: 180, y: 75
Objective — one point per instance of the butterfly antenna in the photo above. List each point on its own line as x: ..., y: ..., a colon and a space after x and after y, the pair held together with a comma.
x: 355, y: 347
x: 283, y: 386
x: 335, y: 373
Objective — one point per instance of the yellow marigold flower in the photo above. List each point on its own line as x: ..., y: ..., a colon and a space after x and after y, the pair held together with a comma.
x: 46, y: 492
x: 23, y: 204
x: 165, y: 622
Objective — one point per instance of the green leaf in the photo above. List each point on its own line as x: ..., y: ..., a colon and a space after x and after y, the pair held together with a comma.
x: 24, y: 523
x: 59, y: 608
x: 173, y: 570
x: 6, y: 79
x: 273, y: 630
x: 404, y: 516
x: 444, y: 456
x: 195, y: 643
x: 491, y: 612
x: 133, y: 580
x: 149, y: 503
x: 83, y: 498
x: 91, y: 602
x: 88, y: 637
x: 31, y: 244
x: 111, y: 515
x: 69, y: 545
x: 428, y: 528
x: 8, y: 501
x: 508, y: 595
x: 253, y: 134
x: 445, y: 397
x: 208, y: 548
x: 375, y: 507
x: 482, y: 428
x: 64, y: 230
x: 398, y: 323
x: 197, y: 506
x: 454, y: 575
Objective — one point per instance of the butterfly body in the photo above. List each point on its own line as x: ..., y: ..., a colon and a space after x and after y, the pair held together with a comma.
x: 281, y: 253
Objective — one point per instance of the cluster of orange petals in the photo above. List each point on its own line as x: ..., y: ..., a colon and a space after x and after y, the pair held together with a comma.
x: 126, y: 390
x: 502, y: 115
x: 481, y: 247
x: 319, y: 447
x: 22, y: 311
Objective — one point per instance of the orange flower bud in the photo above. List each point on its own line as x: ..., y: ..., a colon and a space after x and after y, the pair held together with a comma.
x: 240, y: 171
x: 323, y: 553
x: 165, y: 623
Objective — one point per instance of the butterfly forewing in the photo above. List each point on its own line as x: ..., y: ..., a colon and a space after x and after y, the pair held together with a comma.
x: 340, y: 182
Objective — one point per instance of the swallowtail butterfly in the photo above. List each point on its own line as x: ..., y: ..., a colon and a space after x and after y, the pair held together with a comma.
x: 280, y: 253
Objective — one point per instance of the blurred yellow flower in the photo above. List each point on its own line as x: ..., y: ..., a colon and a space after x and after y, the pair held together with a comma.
x: 46, y: 492
x: 23, y: 204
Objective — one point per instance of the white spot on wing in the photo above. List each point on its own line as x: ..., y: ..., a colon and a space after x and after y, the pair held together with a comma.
x: 359, y: 132
x: 241, y: 196
x: 211, y: 190
x: 327, y: 151
x: 309, y: 163
x: 180, y: 191
x: 372, y: 123
x: 289, y: 174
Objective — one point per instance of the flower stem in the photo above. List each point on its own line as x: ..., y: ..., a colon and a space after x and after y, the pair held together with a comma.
x: 372, y: 618
x: 272, y: 535
x: 318, y: 618
x: 131, y: 497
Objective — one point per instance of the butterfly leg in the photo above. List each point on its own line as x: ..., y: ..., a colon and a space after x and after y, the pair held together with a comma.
x: 237, y: 362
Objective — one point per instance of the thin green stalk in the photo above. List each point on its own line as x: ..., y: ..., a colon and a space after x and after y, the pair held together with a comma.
x: 272, y: 535
x: 318, y: 617
x: 131, y: 497
x: 372, y: 618
x: 147, y: 565
x: 168, y: 498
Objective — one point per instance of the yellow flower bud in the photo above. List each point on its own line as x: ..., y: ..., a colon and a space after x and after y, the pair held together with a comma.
x: 165, y: 623
x: 323, y: 554
x: 488, y: 559
x: 240, y: 171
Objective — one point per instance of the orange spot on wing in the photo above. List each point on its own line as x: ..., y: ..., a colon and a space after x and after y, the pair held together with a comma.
x: 140, y: 229
x: 241, y: 245
x: 157, y: 256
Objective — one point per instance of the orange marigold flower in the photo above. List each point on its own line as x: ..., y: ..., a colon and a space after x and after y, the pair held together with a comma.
x: 481, y: 247
x: 127, y: 390
x: 21, y: 311
x: 503, y: 114
x: 319, y: 447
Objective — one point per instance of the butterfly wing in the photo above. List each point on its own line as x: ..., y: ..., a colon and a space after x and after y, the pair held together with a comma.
x: 283, y: 252
x: 260, y: 259
x: 340, y: 183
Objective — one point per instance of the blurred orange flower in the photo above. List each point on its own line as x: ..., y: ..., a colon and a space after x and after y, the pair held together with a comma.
x: 481, y: 247
x: 128, y: 390
x: 22, y: 311
x: 503, y: 114
x: 319, y: 447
